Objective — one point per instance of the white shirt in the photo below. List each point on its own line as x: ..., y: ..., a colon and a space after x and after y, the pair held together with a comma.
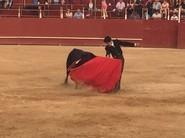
x: 156, y: 16
x: 69, y: 14
x: 174, y: 17
x: 120, y: 5
x: 90, y: 5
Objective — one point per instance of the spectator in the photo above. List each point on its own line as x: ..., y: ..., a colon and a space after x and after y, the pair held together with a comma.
x: 120, y: 6
x: 149, y: 6
x: 1, y: 3
x: 156, y: 5
x: 183, y: 7
x: 78, y: 14
x: 134, y: 15
x: 111, y: 6
x: 138, y: 7
x: 183, y: 4
x: 46, y: 3
x: 69, y: 14
x: 90, y: 7
x: 9, y: 3
x: 46, y: 8
x: 62, y: 2
x: 156, y: 14
x: 49, y: 2
x: 174, y: 17
x: 35, y: 2
x: 4, y: 3
x: 130, y: 7
x: 165, y: 9
x: 104, y: 8
x: 56, y: 1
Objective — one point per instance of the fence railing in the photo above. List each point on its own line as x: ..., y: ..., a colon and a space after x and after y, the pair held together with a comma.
x: 59, y: 11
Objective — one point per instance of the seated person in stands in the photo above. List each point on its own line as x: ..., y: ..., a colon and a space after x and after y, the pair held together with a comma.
x: 3, y: 4
x: 104, y: 7
x: 174, y: 17
x: 69, y: 14
x: 8, y: 3
x: 134, y: 15
x: 33, y: 7
x: 130, y: 7
x: 56, y: 1
x: 183, y: 7
x: 90, y: 7
x: 78, y: 14
x: 183, y: 4
x: 62, y: 2
x: 165, y: 9
x: 138, y: 7
x: 149, y: 6
x: 156, y: 5
x: 156, y: 14
x: 46, y: 3
x: 35, y: 2
x: 46, y: 8
x: 120, y: 6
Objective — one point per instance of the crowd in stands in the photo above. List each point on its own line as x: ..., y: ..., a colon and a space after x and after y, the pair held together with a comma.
x: 132, y: 9
x: 6, y: 3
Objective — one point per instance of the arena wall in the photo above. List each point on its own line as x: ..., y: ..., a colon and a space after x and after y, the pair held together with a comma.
x: 159, y: 33
x: 181, y: 36
x: 153, y: 33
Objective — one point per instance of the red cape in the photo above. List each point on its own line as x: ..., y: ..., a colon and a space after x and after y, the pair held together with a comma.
x: 100, y: 72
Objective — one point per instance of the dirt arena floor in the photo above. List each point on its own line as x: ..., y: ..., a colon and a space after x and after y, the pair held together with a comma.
x: 35, y: 104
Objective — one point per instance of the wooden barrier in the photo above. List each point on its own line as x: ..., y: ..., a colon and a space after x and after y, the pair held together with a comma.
x: 181, y: 36
x: 152, y: 33
x: 160, y: 33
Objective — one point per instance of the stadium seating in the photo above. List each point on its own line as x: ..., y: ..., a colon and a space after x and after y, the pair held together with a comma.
x: 25, y: 8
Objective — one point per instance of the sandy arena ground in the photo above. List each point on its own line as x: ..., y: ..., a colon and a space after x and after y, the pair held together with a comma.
x: 35, y: 104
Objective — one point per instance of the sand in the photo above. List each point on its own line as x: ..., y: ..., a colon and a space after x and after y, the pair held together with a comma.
x: 35, y: 104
